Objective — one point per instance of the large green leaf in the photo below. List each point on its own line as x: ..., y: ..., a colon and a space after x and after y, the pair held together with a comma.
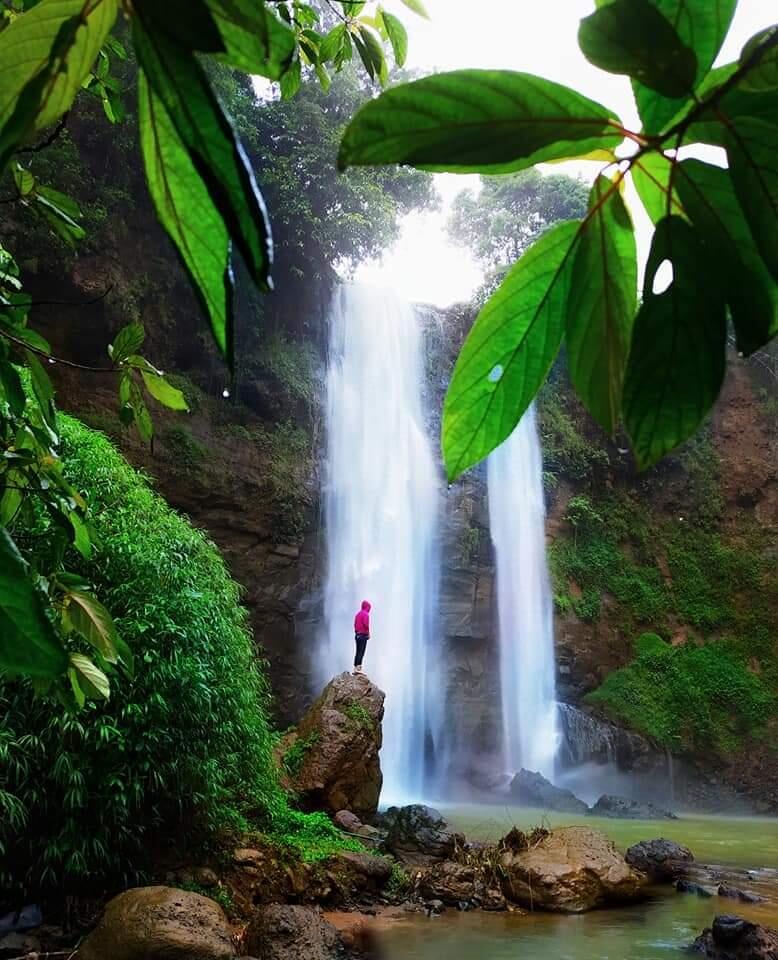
x: 752, y: 151
x: 187, y: 22
x: 632, y: 37
x: 90, y: 618
x: 46, y: 54
x: 712, y: 124
x: 709, y: 198
x: 179, y: 82
x: 764, y: 75
x: 398, y: 37
x: 187, y: 212
x: 28, y: 642
x: 702, y: 25
x: 601, y: 309
x: 651, y: 175
x: 509, y: 351
x: 164, y: 392
x: 487, y: 121
x: 677, y: 360
x: 91, y: 678
x: 255, y: 39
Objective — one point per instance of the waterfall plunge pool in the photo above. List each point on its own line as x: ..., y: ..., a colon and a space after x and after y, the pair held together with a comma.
x: 657, y: 929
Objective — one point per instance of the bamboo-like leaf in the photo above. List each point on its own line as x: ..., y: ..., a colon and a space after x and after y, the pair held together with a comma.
x: 186, y: 210
x: 509, y: 351
x: 709, y: 197
x: 603, y: 299
x: 677, y: 361
x: 753, y: 160
x: 633, y: 38
x: 477, y: 121
x: 28, y: 643
x: 95, y: 624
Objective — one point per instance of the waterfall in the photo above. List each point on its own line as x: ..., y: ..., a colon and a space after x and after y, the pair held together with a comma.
x: 526, y: 629
x: 381, y: 512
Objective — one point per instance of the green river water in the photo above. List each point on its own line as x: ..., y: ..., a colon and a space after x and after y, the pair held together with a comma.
x: 657, y: 929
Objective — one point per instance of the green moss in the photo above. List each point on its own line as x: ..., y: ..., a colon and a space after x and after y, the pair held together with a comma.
x: 399, y: 883
x: 296, y: 754
x: 218, y: 894
x: 184, y: 448
x: 687, y: 696
x: 288, y: 451
x: 566, y: 452
x: 294, y: 364
x: 359, y: 716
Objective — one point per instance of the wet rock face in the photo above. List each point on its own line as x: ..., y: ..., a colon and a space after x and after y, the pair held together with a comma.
x: 418, y: 834
x: 621, y: 808
x: 533, y: 790
x: 571, y: 870
x: 732, y: 938
x: 662, y: 860
x: 338, y: 741
x: 160, y: 923
x: 282, y: 932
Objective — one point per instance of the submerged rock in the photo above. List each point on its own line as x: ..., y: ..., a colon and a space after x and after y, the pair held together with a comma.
x: 662, y: 860
x: 732, y: 938
x: 284, y: 932
x: 689, y: 886
x: 735, y: 893
x: 337, y: 742
x: 533, y: 790
x: 623, y: 808
x: 418, y: 834
x: 160, y: 923
x: 569, y: 871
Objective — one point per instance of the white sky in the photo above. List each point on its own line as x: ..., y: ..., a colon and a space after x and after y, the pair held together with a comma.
x: 535, y: 36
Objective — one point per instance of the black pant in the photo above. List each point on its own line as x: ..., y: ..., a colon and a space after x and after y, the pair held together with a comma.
x: 361, y: 642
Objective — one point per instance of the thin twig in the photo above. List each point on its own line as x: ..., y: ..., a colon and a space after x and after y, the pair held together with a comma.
x: 50, y: 139
x: 50, y: 356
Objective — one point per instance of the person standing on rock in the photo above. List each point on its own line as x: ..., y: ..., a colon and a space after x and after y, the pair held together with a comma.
x: 361, y: 634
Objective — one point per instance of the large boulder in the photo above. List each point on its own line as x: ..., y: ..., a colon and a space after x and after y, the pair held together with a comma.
x: 570, y: 870
x: 332, y: 758
x: 285, y: 932
x: 732, y: 938
x: 418, y: 834
x: 662, y: 860
x: 533, y: 790
x: 159, y: 923
x: 622, y: 808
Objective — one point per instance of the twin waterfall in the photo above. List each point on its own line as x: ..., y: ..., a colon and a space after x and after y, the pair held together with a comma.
x: 383, y: 494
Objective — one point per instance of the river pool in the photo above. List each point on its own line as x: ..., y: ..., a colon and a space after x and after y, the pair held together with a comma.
x: 657, y: 929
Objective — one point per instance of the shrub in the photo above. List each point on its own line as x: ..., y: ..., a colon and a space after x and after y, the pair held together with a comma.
x: 184, y: 447
x: 183, y: 750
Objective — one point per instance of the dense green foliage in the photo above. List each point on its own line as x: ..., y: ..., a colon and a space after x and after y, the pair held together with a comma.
x: 688, y: 697
x: 656, y: 364
x: 180, y: 751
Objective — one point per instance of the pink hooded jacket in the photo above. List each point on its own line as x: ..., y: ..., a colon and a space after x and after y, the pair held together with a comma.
x: 362, y: 619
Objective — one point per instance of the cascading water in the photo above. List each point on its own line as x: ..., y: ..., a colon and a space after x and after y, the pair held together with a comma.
x: 381, y: 503
x: 526, y: 629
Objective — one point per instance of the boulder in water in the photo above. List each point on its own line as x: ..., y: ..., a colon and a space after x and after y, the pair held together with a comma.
x: 160, y: 923
x: 732, y: 938
x: 418, y: 834
x: 735, y: 893
x: 622, y: 808
x: 689, y: 886
x: 286, y: 932
x: 335, y: 749
x: 533, y: 790
x: 662, y: 860
x: 570, y: 870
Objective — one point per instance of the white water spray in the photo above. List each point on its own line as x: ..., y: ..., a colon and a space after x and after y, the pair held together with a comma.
x: 381, y: 503
x: 527, y: 680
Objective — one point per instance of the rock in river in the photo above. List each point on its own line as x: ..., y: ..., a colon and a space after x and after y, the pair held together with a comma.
x: 533, y: 790
x: 285, y: 932
x: 662, y: 860
x: 160, y: 923
x: 732, y: 938
x: 418, y: 834
x: 570, y: 870
x: 337, y: 766
x: 622, y: 808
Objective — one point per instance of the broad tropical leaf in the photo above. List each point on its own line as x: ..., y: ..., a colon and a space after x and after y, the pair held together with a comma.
x: 603, y: 298
x: 509, y: 351
x: 418, y: 7
x: 709, y: 198
x: 128, y: 341
x: 188, y: 22
x: 255, y: 39
x: 701, y: 25
x: 28, y: 642
x: 164, y: 392
x: 751, y: 151
x: 764, y: 75
x: 632, y: 37
x: 95, y: 624
x: 398, y: 37
x: 47, y: 53
x: 91, y: 678
x: 651, y: 175
x: 187, y: 212
x: 677, y: 361
x: 178, y: 81
x: 477, y: 121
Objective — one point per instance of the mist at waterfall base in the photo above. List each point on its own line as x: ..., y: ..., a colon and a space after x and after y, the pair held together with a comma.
x: 381, y: 494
